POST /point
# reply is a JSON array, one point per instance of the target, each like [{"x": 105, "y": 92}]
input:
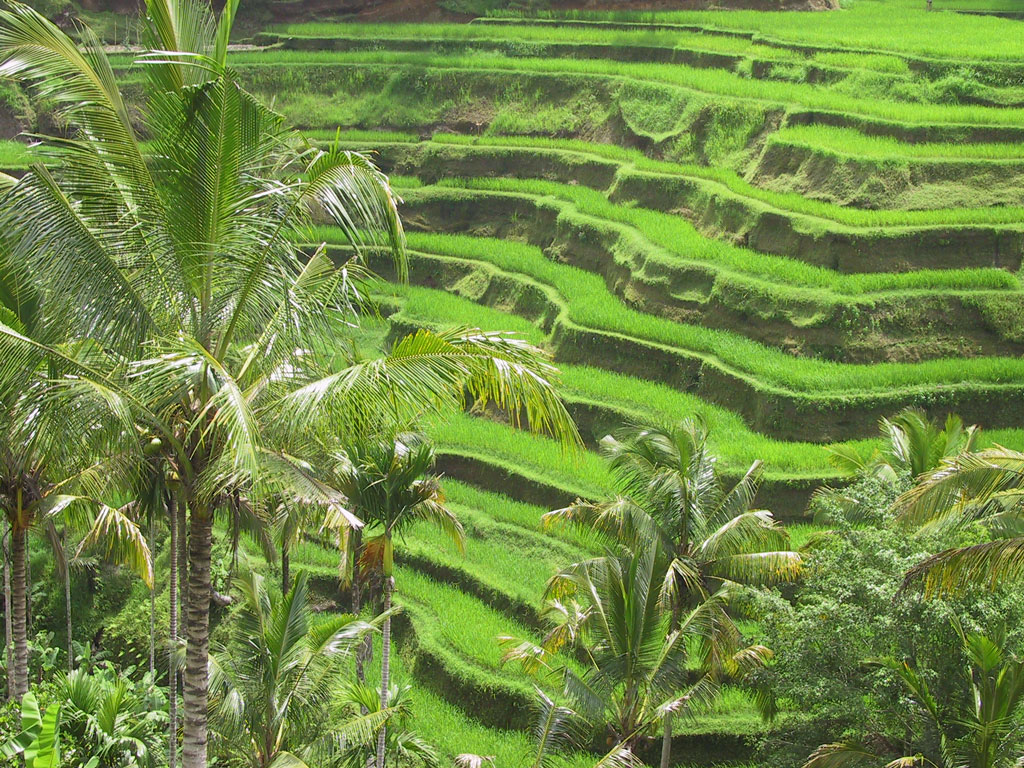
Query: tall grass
[
  {"x": 638, "y": 38},
  {"x": 13, "y": 155},
  {"x": 468, "y": 626},
  {"x": 453, "y": 732}
]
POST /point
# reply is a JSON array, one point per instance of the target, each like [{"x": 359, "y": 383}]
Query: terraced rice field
[{"x": 788, "y": 225}]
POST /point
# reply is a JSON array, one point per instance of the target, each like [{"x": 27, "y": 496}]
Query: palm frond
[
  {"x": 122, "y": 541},
  {"x": 988, "y": 564},
  {"x": 841, "y": 755}
]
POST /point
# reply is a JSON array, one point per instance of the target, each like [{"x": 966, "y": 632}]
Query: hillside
[{"x": 786, "y": 220}]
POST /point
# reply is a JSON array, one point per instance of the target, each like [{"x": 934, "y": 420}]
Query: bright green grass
[
  {"x": 500, "y": 557},
  {"x": 592, "y": 305},
  {"x": 13, "y": 154},
  {"x": 453, "y": 732},
  {"x": 851, "y": 143},
  {"x": 539, "y": 34},
  {"x": 881, "y": 25},
  {"x": 509, "y": 513},
  {"x": 452, "y": 613},
  {"x": 788, "y": 201},
  {"x": 582, "y": 470},
  {"x": 678, "y": 236},
  {"x": 731, "y": 438},
  {"x": 715, "y": 83},
  {"x": 856, "y": 60},
  {"x": 685, "y": 244}
]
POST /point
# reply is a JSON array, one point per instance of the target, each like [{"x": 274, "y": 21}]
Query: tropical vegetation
[{"x": 568, "y": 388}]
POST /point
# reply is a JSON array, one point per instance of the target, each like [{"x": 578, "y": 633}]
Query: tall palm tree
[
  {"x": 981, "y": 730},
  {"x": 213, "y": 330},
  {"x": 47, "y": 467},
  {"x": 986, "y": 488},
  {"x": 273, "y": 684},
  {"x": 388, "y": 482},
  {"x": 671, "y": 493}
]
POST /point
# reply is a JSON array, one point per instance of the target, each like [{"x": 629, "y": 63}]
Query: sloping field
[{"x": 788, "y": 226}]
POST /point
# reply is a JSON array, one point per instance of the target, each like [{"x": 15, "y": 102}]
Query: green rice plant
[
  {"x": 454, "y": 732},
  {"x": 856, "y": 60},
  {"x": 678, "y": 236},
  {"x": 644, "y": 401},
  {"x": 664, "y": 237},
  {"x": 902, "y": 26},
  {"x": 509, "y": 513},
  {"x": 13, "y": 155},
  {"x": 585, "y": 470},
  {"x": 798, "y": 204},
  {"x": 714, "y": 83},
  {"x": 464, "y": 624},
  {"x": 591, "y": 305},
  {"x": 848, "y": 142},
  {"x": 495, "y": 553}
]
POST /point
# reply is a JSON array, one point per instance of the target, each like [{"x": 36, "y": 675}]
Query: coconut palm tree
[
  {"x": 671, "y": 493},
  {"x": 912, "y": 444},
  {"x": 118, "y": 723},
  {"x": 609, "y": 612},
  {"x": 981, "y": 730},
  {"x": 986, "y": 488},
  {"x": 47, "y": 470},
  {"x": 388, "y": 482},
  {"x": 212, "y": 330},
  {"x": 403, "y": 743},
  {"x": 273, "y": 684}
]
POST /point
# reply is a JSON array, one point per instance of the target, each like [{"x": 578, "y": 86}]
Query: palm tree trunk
[
  {"x": 197, "y": 631},
  {"x": 666, "y": 741},
  {"x": 19, "y": 617},
  {"x": 152, "y": 606},
  {"x": 172, "y": 673},
  {"x": 357, "y": 605},
  {"x": 182, "y": 566},
  {"x": 666, "y": 724},
  {"x": 385, "y": 667},
  {"x": 357, "y": 600},
  {"x": 285, "y": 574},
  {"x": 28, "y": 583},
  {"x": 67, "y": 607},
  {"x": 8, "y": 602}
]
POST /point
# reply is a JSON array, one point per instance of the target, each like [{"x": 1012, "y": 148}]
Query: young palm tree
[
  {"x": 609, "y": 612},
  {"x": 403, "y": 743},
  {"x": 273, "y": 684},
  {"x": 982, "y": 730},
  {"x": 671, "y": 493},
  {"x": 388, "y": 483},
  {"x": 913, "y": 444},
  {"x": 212, "y": 329},
  {"x": 117, "y": 725},
  {"x": 986, "y": 487}
]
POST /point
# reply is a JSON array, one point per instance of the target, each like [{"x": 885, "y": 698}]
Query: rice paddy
[{"x": 608, "y": 186}]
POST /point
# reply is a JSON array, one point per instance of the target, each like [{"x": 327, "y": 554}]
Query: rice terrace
[{"x": 512, "y": 383}]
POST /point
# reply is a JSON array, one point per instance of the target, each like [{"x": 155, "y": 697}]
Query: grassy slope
[{"x": 899, "y": 26}]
